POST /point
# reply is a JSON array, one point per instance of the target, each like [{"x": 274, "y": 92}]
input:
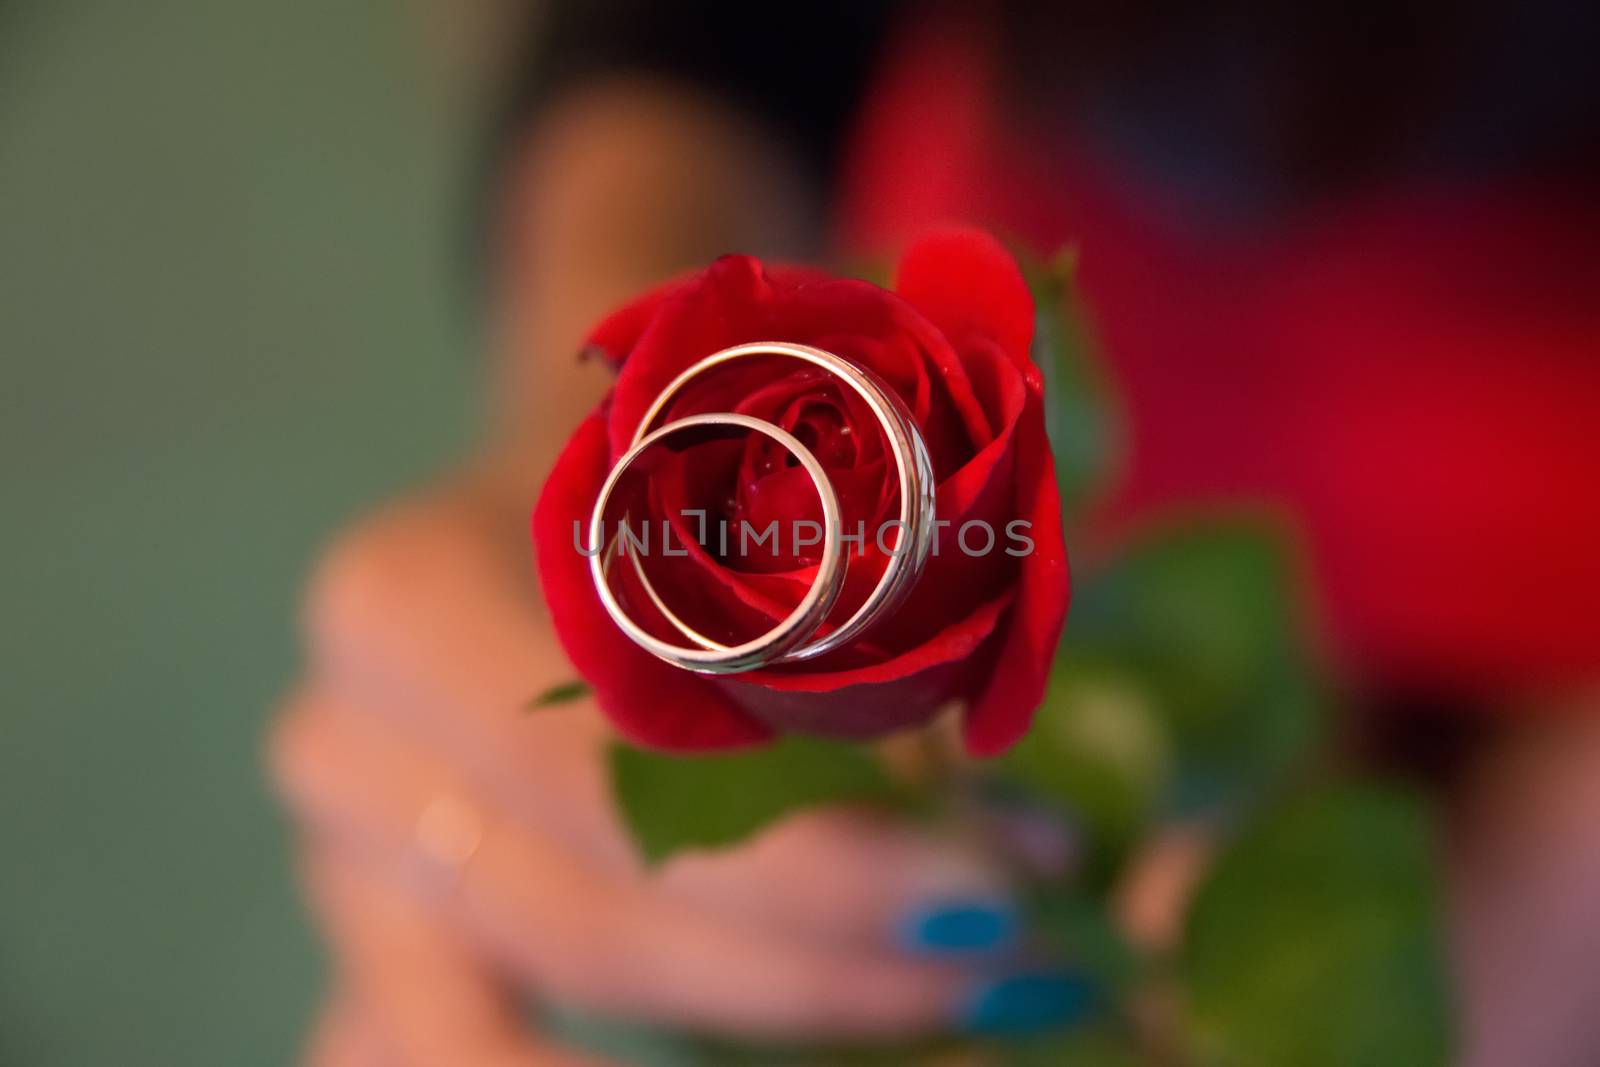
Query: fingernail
[
  {"x": 958, "y": 927},
  {"x": 1022, "y": 1003}
]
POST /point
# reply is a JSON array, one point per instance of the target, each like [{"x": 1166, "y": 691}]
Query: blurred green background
[{"x": 229, "y": 317}]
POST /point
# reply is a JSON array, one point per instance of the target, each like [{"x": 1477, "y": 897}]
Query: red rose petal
[
  {"x": 954, "y": 641},
  {"x": 1001, "y": 714},
  {"x": 1009, "y": 393},
  {"x": 847, "y": 305},
  {"x": 614, "y": 337},
  {"x": 758, "y": 598},
  {"x": 969, "y": 286}
]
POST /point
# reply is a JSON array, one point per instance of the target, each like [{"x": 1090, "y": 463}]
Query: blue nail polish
[
  {"x": 1022, "y": 1003},
  {"x": 956, "y": 927}
]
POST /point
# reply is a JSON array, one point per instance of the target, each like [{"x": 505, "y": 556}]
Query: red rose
[{"x": 952, "y": 339}]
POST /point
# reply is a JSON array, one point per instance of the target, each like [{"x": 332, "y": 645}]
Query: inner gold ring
[{"x": 710, "y": 657}]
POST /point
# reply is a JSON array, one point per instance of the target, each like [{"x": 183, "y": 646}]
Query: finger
[
  {"x": 590, "y": 937},
  {"x": 621, "y": 948},
  {"x": 356, "y": 776},
  {"x": 883, "y": 879},
  {"x": 418, "y": 987},
  {"x": 1153, "y": 897}
]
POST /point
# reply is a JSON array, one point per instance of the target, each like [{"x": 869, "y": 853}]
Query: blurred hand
[{"x": 463, "y": 856}]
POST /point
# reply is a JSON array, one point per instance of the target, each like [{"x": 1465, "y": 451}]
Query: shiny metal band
[{"x": 798, "y": 636}]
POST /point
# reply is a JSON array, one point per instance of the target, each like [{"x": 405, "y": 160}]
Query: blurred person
[{"x": 1342, "y": 263}]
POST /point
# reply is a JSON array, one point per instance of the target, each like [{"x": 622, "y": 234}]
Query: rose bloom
[{"x": 981, "y": 627}]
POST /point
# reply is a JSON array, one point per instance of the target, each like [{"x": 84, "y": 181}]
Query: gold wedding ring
[
  {"x": 791, "y": 631},
  {"x": 796, "y": 637}
]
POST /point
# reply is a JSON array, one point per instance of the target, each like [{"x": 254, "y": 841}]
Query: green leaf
[
  {"x": 1080, "y": 417},
  {"x": 1205, "y": 616},
  {"x": 1316, "y": 939},
  {"x": 565, "y": 693},
  {"x": 676, "y": 802}
]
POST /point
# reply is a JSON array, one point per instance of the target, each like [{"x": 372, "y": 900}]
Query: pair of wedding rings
[{"x": 802, "y": 634}]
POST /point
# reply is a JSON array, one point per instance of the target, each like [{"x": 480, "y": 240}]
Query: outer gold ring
[
  {"x": 791, "y": 631},
  {"x": 914, "y": 471}
]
